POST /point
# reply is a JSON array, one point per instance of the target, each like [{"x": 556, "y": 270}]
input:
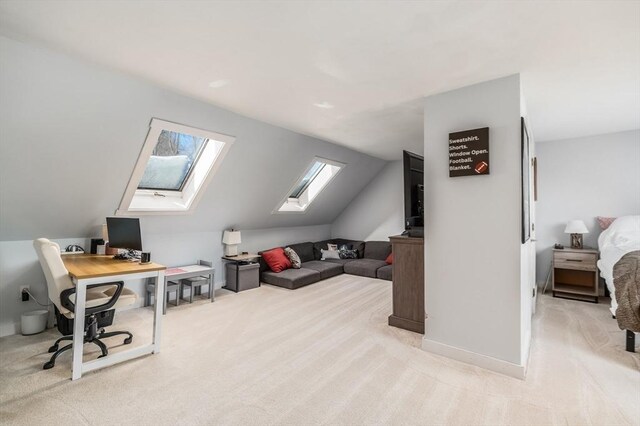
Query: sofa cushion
[
  {"x": 338, "y": 261},
  {"x": 326, "y": 269},
  {"x": 378, "y": 250},
  {"x": 291, "y": 278},
  {"x": 263, "y": 264},
  {"x": 385, "y": 273},
  {"x": 364, "y": 267},
  {"x": 304, "y": 251},
  {"x": 318, "y": 246},
  {"x": 276, "y": 259}
]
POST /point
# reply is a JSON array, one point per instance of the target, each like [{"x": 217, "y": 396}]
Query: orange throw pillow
[
  {"x": 276, "y": 259},
  {"x": 389, "y": 259}
]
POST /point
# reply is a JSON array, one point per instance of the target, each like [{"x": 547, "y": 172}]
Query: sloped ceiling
[
  {"x": 371, "y": 61},
  {"x": 71, "y": 133}
]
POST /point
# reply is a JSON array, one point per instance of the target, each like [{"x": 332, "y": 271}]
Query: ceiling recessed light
[
  {"x": 324, "y": 105},
  {"x": 218, "y": 83}
]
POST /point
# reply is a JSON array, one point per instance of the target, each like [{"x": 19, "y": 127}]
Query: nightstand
[
  {"x": 575, "y": 274},
  {"x": 242, "y": 272}
]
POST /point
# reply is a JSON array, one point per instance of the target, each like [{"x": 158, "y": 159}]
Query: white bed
[{"x": 620, "y": 238}]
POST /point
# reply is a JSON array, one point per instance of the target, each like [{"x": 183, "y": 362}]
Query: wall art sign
[{"x": 469, "y": 152}]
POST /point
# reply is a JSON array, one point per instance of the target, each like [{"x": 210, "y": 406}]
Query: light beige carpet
[{"x": 324, "y": 354}]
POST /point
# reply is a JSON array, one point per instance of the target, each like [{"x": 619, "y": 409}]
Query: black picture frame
[{"x": 526, "y": 182}]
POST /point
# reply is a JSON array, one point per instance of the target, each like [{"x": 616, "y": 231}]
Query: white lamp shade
[
  {"x": 231, "y": 237},
  {"x": 576, "y": 227}
]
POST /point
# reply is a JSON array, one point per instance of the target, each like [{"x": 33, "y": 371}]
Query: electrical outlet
[{"x": 24, "y": 296}]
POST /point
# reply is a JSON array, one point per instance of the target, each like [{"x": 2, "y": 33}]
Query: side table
[{"x": 239, "y": 260}]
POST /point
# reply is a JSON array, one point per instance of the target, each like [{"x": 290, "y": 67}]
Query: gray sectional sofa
[{"x": 371, "y": 263}]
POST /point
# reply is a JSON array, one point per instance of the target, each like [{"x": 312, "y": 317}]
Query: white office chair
[{"x": 102, "y": 299}]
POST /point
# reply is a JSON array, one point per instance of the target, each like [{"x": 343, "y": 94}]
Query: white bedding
[{"x": 622, "y": 237}]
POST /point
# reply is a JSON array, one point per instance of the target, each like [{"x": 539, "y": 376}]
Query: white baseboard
[
  {"x": 9, "y": 329},
  {"x": 483, "y": 361}
]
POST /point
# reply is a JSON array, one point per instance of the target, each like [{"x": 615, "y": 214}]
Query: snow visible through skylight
[
  {"x": 171, "y": 161},
  {"x": 174, "y": 168}
]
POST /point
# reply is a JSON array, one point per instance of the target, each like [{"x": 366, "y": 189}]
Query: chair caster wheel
[
  {"x": 48, "y": 365},
  {"x": 128, "y": 340},
  {"x": 53, "y": 348}
]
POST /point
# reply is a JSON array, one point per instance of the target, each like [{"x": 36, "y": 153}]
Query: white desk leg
[
  {"x": 157, "y": 315},
  {"x": 78, "y": 330},
  {"x": 212, "y": 287}
]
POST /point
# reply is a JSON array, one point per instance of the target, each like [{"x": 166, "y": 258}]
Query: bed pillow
[
  {"x": 330, "y": 254},
  {"x": 605, "y": 222},
  {"x": 293, "y": 257},
  {"x": 276, "y": 259}
]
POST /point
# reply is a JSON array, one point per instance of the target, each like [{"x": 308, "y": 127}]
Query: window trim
[
  {"x": 287, "y": 197},
  {"x": 156, "y": 126}
]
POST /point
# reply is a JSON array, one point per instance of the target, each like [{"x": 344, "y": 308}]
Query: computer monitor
[{"x": 124, "y": 233}]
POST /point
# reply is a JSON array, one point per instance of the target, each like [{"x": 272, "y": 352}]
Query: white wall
[
  {"x": 71, "y": 132},
  {"x": 581, "y": 179},
  {"x": 378, "y": 211},
  {"x": 528, "y": 251},
  {"x": 19, "y": 263},
  {"x": 254, "y": 241},
  {"x": 473, "y": 253}
]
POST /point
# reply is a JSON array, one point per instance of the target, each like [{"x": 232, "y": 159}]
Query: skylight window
[
  {"x": 311, "y": 174},
  {"x": 174, "y": 168},
  {"x": 317, "y": 176},
  {"x": 171, "y": 161}
]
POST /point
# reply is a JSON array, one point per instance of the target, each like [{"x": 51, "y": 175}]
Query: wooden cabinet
[
  {"x": 575, "y": 274},
  {"x": 408, "y": 283}
]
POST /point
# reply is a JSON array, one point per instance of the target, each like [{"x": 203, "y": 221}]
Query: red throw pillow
[
  {"x": 389, "y": 259},
  {"x": 276, "y": 259}
]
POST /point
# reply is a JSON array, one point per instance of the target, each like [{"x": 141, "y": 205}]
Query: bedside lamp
[
  {"x": 576, "y": 228},
  {"x": 231, "y": 239}
]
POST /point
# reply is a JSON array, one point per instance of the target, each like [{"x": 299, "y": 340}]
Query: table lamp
[
  {"x": 576, "y": 228},
  {"x": 231, "y": 239}
]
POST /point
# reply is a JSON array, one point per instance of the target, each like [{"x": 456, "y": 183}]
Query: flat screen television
[{"x": 413, "y": 194}]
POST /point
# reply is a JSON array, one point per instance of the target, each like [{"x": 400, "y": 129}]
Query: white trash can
[{"x": 34, "y": 322}]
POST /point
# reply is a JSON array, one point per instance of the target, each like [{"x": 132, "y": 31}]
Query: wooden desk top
[
  {"x": 83, "y": 266},
  {"x": 241, "y": 257}
]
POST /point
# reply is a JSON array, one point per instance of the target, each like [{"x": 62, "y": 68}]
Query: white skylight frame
[
  {"x": 315, "y": 187},
  {"x": 158, "y": 202}
]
